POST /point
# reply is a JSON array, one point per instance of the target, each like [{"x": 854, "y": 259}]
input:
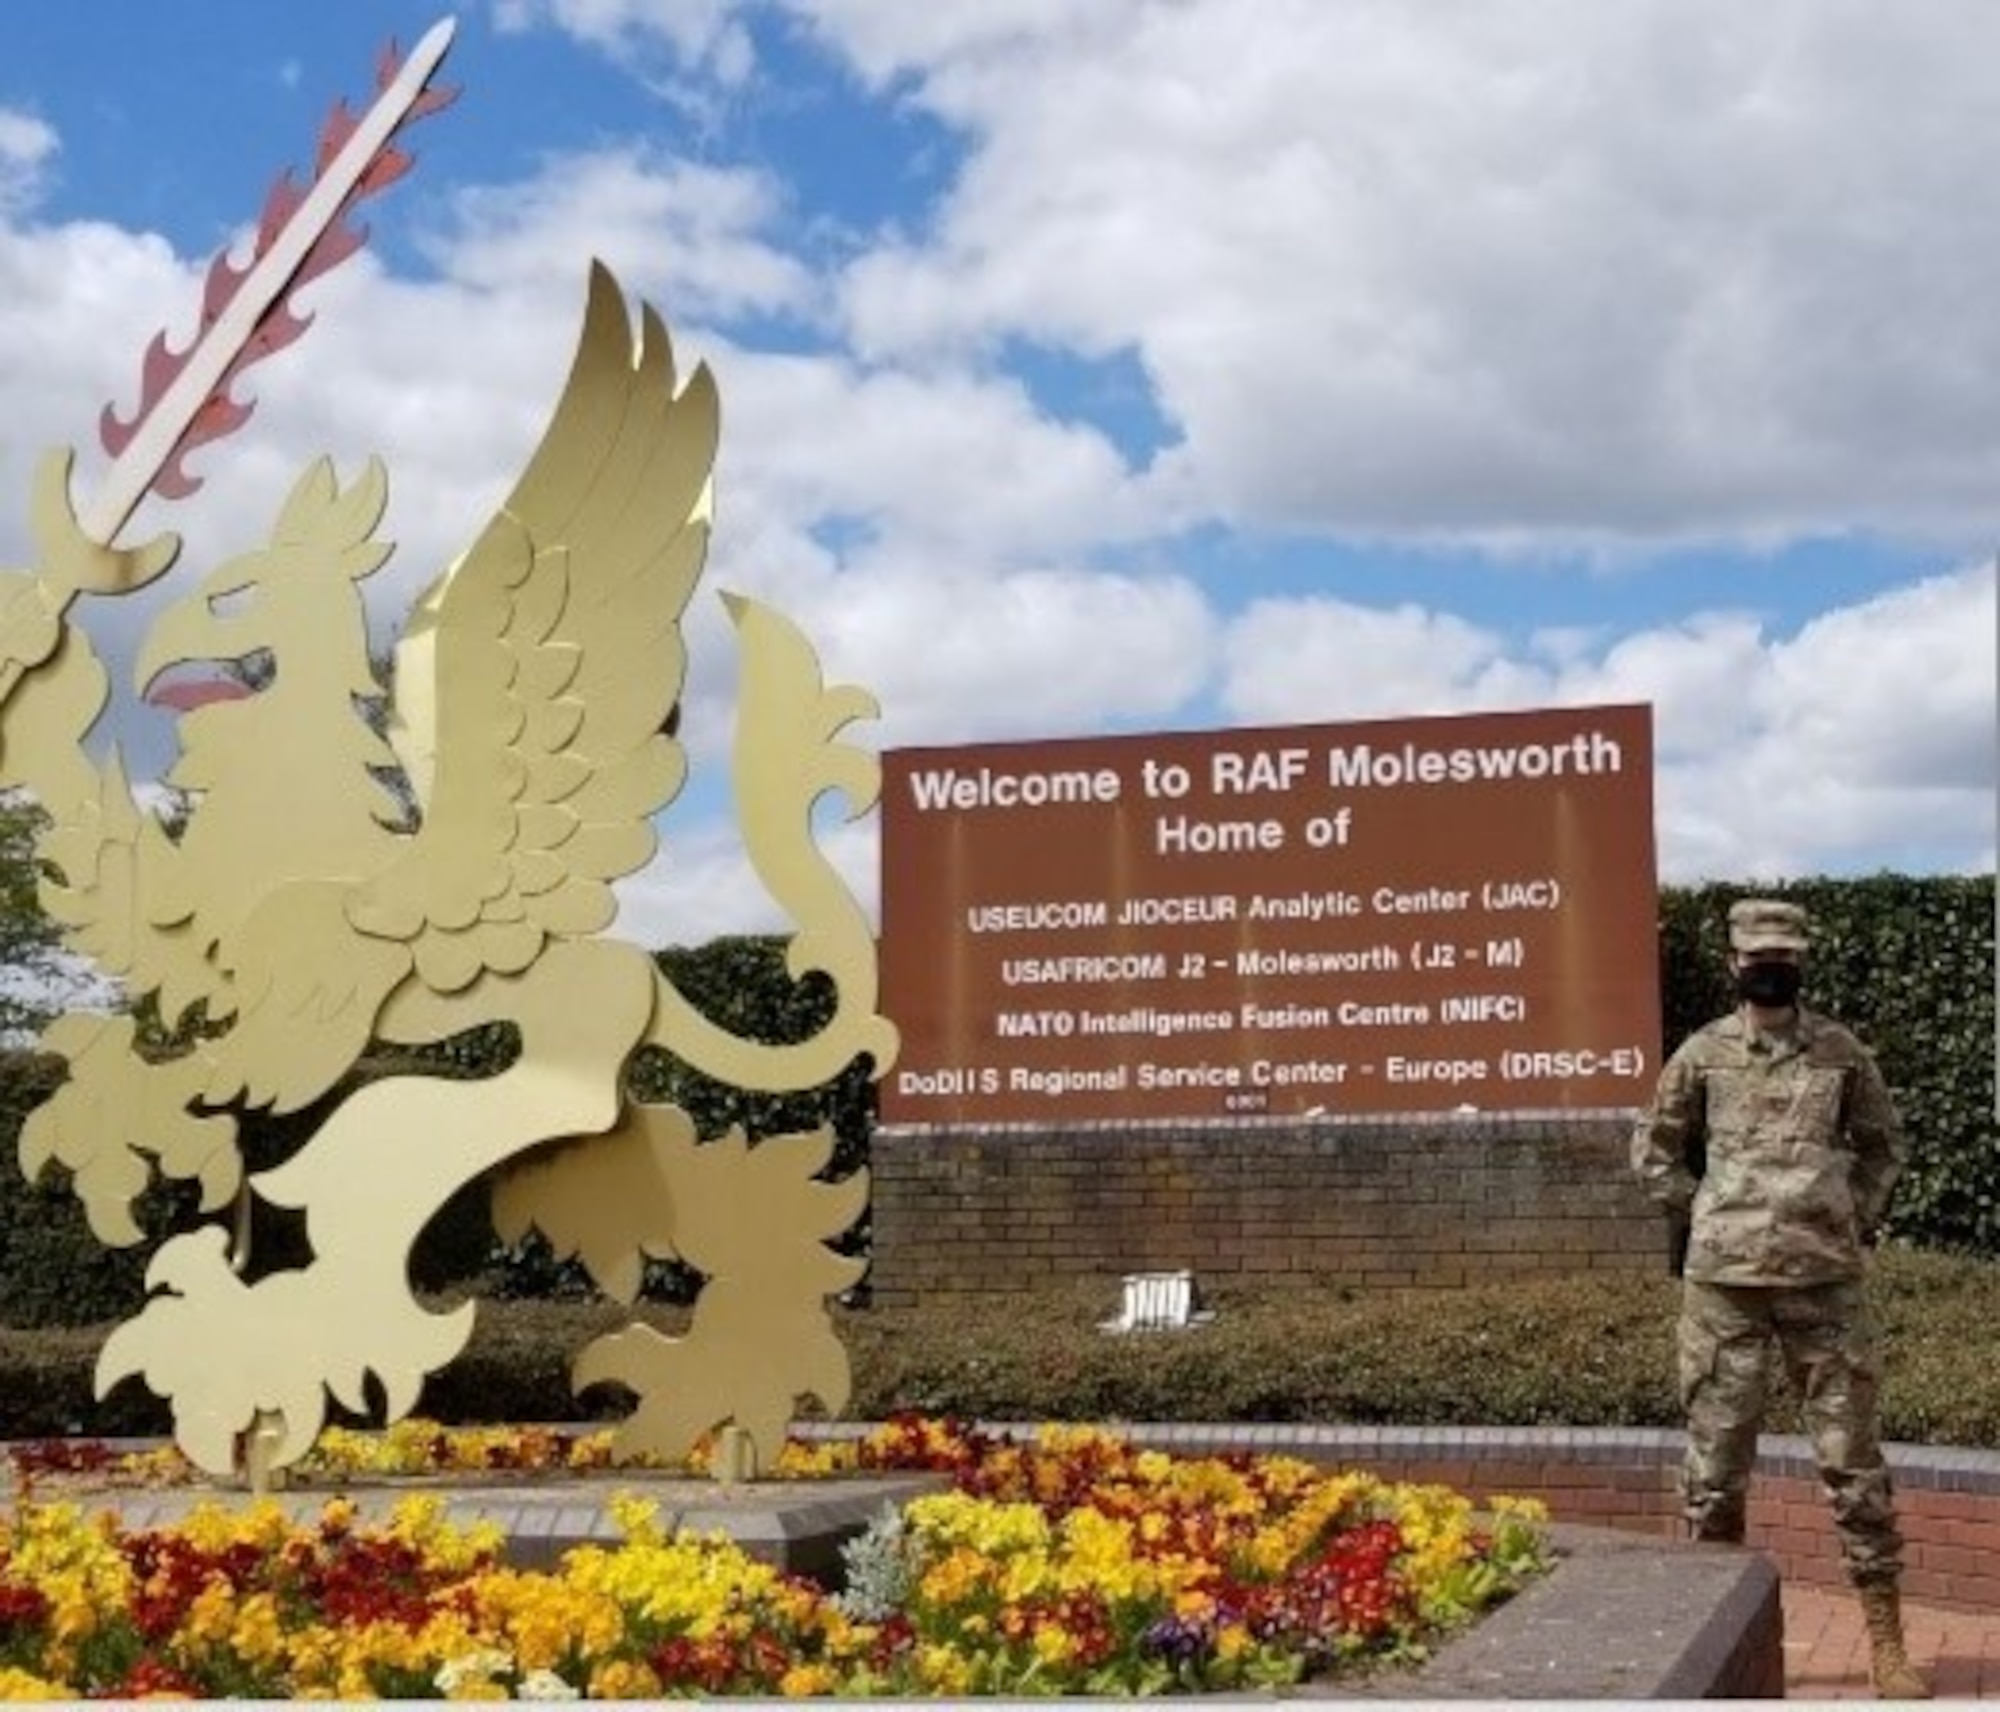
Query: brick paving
[{"x": 1826, "y": 1648}]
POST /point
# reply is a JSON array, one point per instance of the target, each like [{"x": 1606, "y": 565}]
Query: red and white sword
[{"x": 246, "y": 312}]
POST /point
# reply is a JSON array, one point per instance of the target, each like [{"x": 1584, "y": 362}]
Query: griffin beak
[{"x": 168, "y": 675}]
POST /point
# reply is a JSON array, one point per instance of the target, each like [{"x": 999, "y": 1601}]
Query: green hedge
[
  {"x": 1908, "y": 965},
  {"x": 1585, "y": 1351},
  {"x": 1907, "y": 962}
]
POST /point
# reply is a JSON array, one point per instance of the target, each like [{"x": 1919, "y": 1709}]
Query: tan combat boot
[{"x": 1890, "y": 1669}]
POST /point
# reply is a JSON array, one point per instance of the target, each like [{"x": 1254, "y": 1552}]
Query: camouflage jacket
[{"x": 1803, "y": 1147}]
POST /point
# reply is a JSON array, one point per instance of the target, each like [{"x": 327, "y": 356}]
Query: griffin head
[{"x": 224, "y": 641}]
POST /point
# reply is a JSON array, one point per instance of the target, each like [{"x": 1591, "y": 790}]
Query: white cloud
[
  {"x": 1900, "y": 689},
  {"x": 956, "y": 654},
  {"x": 702, "y": 886},
  {"x": 1466, "y": 271},
  {"x": 1866, "y": 740},
  {"x": 698, "y": 35},
  {"x": 1313, "y": 659},
  {"x": 26, "y": 147},
  {"x": 944, "y": 461},
  {"x": 690, "y": 236}
]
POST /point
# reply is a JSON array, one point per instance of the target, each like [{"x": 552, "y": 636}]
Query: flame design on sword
[
  {"x": 185, "y": 400},
  {"x": 246, "y": 312}
]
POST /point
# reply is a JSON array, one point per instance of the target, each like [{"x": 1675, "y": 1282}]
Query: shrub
[{"x": 1595, "y": 1351}]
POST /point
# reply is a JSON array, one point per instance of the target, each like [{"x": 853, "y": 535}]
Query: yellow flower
[
  {"x": 804, "y": 1680},
  {"x": 73, "y": 1612},
  {"x": 258, "y": 1634},
  {"x": 802, "y": 1461},
  {"x": 1287, "y": 1473},
  {"x": 959, "y": 1575},
  {"x": 211, "y": 1617},
  {"x": 1053, "y": 1644},
  {"x": 25, "y": 1685},
  {"x": 638, "y": 1519},
  {"x": 1193, "y": 1604},
  {"x": 314, "y": 1658},
  {"x": 452, "y": 1635},
  {"x": 944, "y": 1671},
  {"x": 420, "y": 1523},
  {"x": 389, "y": 1645},
  {"x": 1207, "y": 1490},
  {"x": 687, "y": 1582},
  {"x": 1232, "y": 1641},
  {"x": 1268, "y": 1551},
  {"x": 1024, "y": 1575},
  {"x": 164, "y": 1466},
  {"x": 75, "y": 1561},
  {"x": 994, "y": 1529},
  {"x": 545, "y": 1618},
  {"x": 340, "y": 1660},
  {"x": 623, "y": 1679},
  {"x": 590, "y": 1450},
  {"x": 1523, "y": 1509},
  {"x": 1096, "y": 1555},
  {"x": 842, "y": 1637}
]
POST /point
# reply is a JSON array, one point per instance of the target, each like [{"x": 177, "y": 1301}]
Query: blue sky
[{"x": 1175, "y": 364}]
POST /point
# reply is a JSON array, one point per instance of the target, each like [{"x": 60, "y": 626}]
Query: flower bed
[{"x": 1073, "y": 1563}]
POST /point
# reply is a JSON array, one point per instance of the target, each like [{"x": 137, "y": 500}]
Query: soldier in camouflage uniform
[{"x": 1802, "y": 1147}]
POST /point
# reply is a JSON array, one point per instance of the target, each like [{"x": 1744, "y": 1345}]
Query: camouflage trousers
[{"x": 1826, "y": 1338}]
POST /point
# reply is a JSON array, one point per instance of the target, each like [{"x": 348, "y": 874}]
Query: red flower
[
  {"x": 151, "y": 1677},
  {"x": 61, "y": 1456},
  {"x": 21, "y": 1607}
]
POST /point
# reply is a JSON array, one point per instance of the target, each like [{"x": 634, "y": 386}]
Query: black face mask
[{"x": 1772, "y": 985}]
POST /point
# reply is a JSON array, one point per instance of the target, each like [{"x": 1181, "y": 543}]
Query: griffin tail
[{"x": 247, "y": 313}]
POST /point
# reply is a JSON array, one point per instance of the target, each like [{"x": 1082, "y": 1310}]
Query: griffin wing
[
  {"x": 536, "y": 680},
  {"x": 108, "y": 852}
]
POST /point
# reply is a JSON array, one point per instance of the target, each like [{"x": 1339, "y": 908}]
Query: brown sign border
[{"x": 1365, "y": 918}]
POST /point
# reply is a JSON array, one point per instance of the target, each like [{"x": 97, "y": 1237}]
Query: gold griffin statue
[{"x": 307, "y": 918}]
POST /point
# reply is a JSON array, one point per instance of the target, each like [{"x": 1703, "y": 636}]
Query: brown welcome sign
[{"x": 1391, "y": 916}]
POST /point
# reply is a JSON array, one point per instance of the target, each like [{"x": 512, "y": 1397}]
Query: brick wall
[{"x": 1385, "y": 1203}]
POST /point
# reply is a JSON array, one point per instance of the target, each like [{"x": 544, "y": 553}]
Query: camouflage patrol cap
[{"x": 1765, "y": 924}]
